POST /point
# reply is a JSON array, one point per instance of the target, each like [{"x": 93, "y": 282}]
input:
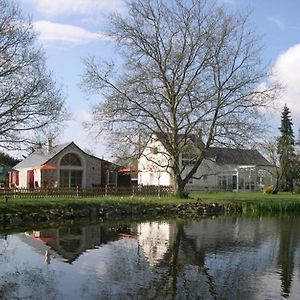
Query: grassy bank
[
  {"x": 254, "y": 202},
  {"x": 222, "y": 198},
  {"x": 20, "y": 211}
]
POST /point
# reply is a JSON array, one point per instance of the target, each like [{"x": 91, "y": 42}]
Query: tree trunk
[
  {"x": 179, "y": 184},
  {"x": 276, "y": 188}
]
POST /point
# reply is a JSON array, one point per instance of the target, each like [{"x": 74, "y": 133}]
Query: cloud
[
  {"x": 69, "y": 7},
  {"x": 54, "y": 32},
  {"x": 287, "y": 71},
  {"x": 277, "y": 22}
]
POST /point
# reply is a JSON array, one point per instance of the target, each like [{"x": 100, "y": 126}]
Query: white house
[{"x": 222, "y": 168}]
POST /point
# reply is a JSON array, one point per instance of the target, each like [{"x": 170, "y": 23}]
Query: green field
[{"x": 249, "y": 201}]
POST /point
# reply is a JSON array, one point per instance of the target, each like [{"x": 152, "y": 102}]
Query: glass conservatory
[{"x": 246, "y": 178}]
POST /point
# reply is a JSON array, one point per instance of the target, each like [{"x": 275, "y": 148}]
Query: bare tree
[
  {"x": 190, "y": 68},
  {"x": 30, "y": 100}
]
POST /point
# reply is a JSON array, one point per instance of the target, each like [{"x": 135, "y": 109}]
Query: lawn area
[
  {"x": 249, "y": 201},
  {"x": 254, "y": 202},
  {"x": 203, "y": 197},
  {"x": 244, "y": 197}
]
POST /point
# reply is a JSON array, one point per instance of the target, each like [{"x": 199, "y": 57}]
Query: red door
[{"x": 30, "y": 178}]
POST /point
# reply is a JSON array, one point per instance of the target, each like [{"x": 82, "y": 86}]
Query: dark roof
[
  {"x": 237, "y": 156},
  {"x": 226, "y": 155}
]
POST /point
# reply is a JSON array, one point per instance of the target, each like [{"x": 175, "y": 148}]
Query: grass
[
  {"x": 243, "y": 197},
  {"x": 249, "y": 201},
  {"x": 254, "y": 202},
  {"x": 28, "y": 205}
]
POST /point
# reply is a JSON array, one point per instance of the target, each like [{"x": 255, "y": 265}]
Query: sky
[{"x": 71, "y": 30}]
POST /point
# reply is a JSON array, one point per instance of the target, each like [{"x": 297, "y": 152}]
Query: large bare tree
[
  {"x": 187, "y": 69},
  {"x": 30, "y": 100}
]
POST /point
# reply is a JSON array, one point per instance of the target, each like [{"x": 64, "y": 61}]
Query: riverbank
[{"x": 20, "y": 212}]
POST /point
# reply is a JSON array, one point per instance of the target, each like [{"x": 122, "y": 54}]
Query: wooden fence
[{"x": 94, "y": 192}]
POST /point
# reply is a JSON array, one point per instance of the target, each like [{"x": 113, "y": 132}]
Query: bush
[
  {"x": 183, "y": 194},
  {"x": 297, "y": 190},
  {"x": 268, "y": 189}
]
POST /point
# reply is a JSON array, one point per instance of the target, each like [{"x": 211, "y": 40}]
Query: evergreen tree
[
  {"x": 8, "y": 160},
  {"x": 286, "y": 151}
]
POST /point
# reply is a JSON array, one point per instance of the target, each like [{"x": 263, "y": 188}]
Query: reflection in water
[
  {"x": 287, "y": 246},
  {"x": 212, "y": 258},
  {"x": 69, "y": 243}
]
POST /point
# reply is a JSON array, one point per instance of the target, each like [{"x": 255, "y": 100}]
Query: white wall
[
  {"x": 23, "y": 181},
  {"x": 154, "y": 165}
]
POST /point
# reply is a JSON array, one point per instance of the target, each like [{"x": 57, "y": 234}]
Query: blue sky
[{"x": 70, "y": 30}]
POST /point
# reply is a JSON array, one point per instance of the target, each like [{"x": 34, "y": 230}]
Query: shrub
[
  {"x": 297, "y": 190},
  {"x": 183, "y": 194},
  {"x": 268, "y": 189}
]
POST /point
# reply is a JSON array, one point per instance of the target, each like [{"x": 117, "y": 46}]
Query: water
[{"x": 208, "y": 258}]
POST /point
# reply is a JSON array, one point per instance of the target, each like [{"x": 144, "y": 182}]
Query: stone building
[{"x": 65, "y": 166}]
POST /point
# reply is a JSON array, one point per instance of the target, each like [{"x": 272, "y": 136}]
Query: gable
[{"x": 40, "y": 156}]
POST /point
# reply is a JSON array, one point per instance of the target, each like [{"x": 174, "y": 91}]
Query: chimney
[{"x": 49, "y": 145}]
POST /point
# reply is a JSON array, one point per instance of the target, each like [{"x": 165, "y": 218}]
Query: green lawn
[
  {"x": 249, "y": 201},
  {"x": 225, "y": 197},
  {"x": 254, "y": 202}
]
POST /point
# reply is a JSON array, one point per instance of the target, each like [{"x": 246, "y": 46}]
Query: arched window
[
  {"x": 70, "y": 159},
  {"x": 71, "y": 171}
]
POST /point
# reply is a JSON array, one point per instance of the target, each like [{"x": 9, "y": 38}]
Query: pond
[{"x": 208, "y": 258}]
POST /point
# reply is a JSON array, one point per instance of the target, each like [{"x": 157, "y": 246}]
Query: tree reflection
[
  {"x": 286, "y": 254},
  {"x": 185, "y": 258},
  {"x": 30, "y": 283}
]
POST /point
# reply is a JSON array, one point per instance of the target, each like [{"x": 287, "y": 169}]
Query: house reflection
[
  {"x": 152, "y": 238},
  {"x": 68, "y": 243}
]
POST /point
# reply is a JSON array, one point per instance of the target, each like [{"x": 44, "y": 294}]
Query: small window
[
  {"x": 205, "y": 177},
  {"x": 154, "y": 150}
]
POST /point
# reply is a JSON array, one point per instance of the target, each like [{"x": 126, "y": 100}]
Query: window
[
  {"x": 71, "y": 172},
  {"x": 70, "y": 178},
  {"x": 111, "y": 178},
  {"x": 154, "y": 150},
  {"x": 70, "y": 159},
  {"x": 187, "y": 159}
]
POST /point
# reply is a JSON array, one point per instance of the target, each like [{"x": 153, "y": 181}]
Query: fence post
[
  {"x": 158, "y": 191},
  {"x": 105, "y": 193},
  {"x": 77, "y": 191},
  {"x": 133, "y": 190}
]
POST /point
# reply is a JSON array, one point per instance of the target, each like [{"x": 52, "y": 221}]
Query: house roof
[
  {"x": 242, "y": 157},
  {"x": 40, "y": 156},
  {"x": 237, "y": 156}
]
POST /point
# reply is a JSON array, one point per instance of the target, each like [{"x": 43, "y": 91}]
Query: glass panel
[
  {"x": 75, "y": 179},
  {"x": 234, "y": 182},
  {"x": 70, "y": 178},
  {"x": 112, "y": 178},
  {"x": 70, "y": 159},
  {"x": 64, "y": 178}
]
